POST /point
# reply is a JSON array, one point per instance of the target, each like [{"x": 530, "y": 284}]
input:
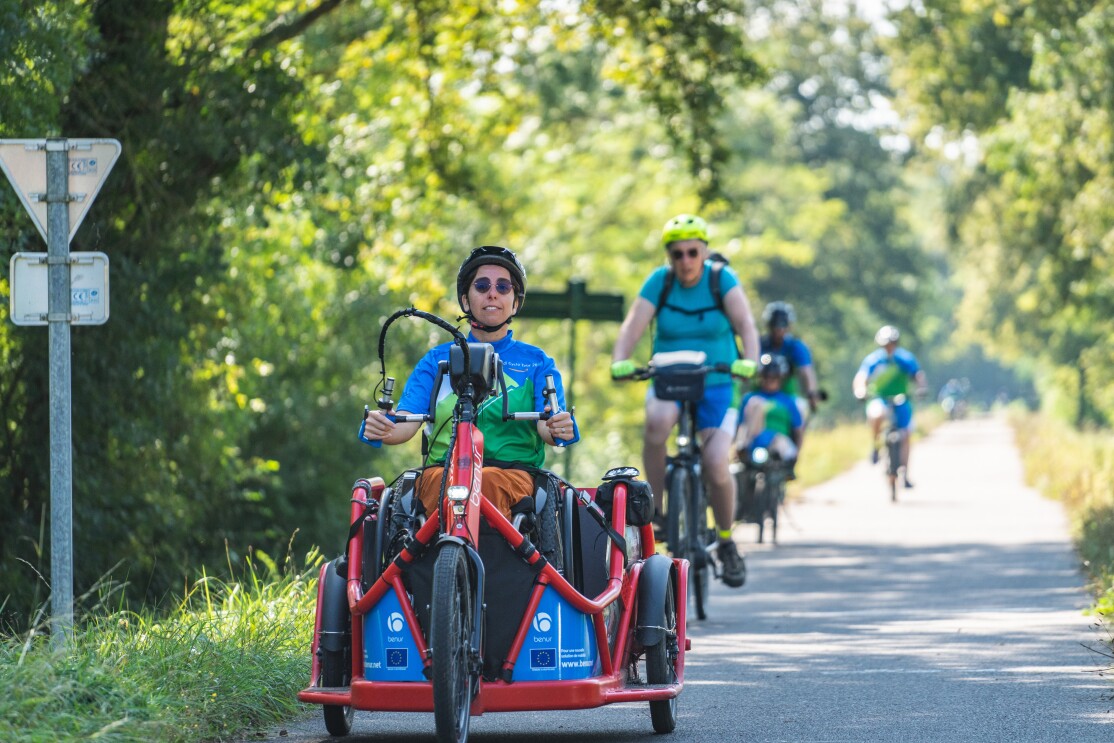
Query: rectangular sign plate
[{"x": 29, "y": 303}]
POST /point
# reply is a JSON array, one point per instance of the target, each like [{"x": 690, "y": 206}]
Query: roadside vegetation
[
  {"x": 230, "y": 656},
  {"x": 1077, "y": 468}
]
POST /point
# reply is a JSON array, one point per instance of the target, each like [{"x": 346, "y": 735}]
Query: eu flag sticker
[
  {"x": 543, "y": 658},
  {"x": 396, "y": 658}
]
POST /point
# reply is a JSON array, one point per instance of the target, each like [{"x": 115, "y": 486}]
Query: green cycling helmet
[{"x": 684, "y": 227}]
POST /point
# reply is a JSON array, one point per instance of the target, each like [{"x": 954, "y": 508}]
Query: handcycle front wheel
[{"x": 452, "y": 622}]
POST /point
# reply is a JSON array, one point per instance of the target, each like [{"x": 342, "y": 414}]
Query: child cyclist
[{"x": 771, "y": 418}]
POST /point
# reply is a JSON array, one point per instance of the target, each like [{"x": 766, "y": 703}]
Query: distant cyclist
[
  {"x": 700, "y": 305},
  {"x": 778, "y": 318},
  {"x": 771, "y": 417},
  {"x": 883, "y": 380}
]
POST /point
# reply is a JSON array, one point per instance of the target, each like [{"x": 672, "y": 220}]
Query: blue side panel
[
  {"x": 559, "y": 645},
  {"x": 389, "y": 650}
]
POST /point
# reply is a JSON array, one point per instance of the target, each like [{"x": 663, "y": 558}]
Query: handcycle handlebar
[{"x": 462, "y": 378}]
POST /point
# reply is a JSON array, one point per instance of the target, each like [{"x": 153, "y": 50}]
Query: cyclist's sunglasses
[
  {"x": 679, "y": 254},
  {"x": 483, "y": 286}
]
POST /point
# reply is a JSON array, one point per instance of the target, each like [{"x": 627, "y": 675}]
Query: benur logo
[
  {"x": 542, "y": 622},
  {"x": 395, "y": 622}
]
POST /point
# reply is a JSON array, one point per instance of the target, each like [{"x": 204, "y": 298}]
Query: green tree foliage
[
  {"x": 291, "y": 172},
  {"x": 1032, "y": 216}
]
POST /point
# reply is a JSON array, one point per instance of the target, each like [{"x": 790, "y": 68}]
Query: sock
[{"x": 725, "y": 535}]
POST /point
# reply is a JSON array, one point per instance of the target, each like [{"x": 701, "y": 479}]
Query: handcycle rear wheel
[
  {"x": 661, "y": 668},
  {"x": 451, "y": 621}
]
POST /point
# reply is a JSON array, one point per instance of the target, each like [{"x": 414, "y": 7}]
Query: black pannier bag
[{"x": 640, "y": 498}]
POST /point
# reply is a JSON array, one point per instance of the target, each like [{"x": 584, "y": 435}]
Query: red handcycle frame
[{"x": 609, "y": 687}]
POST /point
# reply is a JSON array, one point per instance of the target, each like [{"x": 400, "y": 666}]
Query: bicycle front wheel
[
  {"x": 452, "y": 621},
  {"x": 699, "y": 540}
]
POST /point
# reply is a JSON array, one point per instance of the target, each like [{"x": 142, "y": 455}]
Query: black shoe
[
  {"x": 908, "y": 484},
  {"x": 734, "y": 568},
  {"x": 874, "y": 455}
]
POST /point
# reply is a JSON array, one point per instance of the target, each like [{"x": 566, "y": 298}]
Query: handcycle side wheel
[
  {"x": 336, "y": 659},
  {"x": 661, "y": 667},
  {"x": 451, "y": 621}
]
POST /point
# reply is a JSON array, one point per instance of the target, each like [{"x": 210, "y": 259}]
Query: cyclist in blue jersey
[
  {"x": 800, "y": 382},
  {"x": 693, "y": 315},
  {"x": 490, "y": 288},
  {"x": 771, "y": 417},
  {"x": 883, "y": 380}
]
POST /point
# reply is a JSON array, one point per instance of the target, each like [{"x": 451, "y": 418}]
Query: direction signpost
[
  {"x": 573, "y": 304},
  {"x": 57, "y": 188}
]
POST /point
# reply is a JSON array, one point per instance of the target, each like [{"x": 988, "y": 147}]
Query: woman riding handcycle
[{"x": 587, "y": 613}]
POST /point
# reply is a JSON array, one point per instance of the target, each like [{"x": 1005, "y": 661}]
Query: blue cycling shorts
[
  {"x": 715, "y": 409},
  {"x": 903, "y": 413}
]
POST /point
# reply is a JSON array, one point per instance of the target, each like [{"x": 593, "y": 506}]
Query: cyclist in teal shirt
[
  {"x": 691, "y": 316},
  {"x": 883, "y": 380}
]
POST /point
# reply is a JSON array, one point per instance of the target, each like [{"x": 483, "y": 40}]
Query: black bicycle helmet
[
  {"x": 779, "y": 314},
  {"x": 773, "y": 365},
  {"x": 490, "y": 255}
]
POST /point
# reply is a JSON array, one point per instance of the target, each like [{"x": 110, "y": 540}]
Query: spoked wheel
[
  {"x": 336, "y": 660},
  {"x": 893, "y": 464},
  {"x": 683, "y": 523},
  {"x": 775, "y": 506},
  {"x": 451, "y": 620},
  {"x": 763, "y": 508},
  {"x": 676, "y": 516},
  {"x": 699, "y": 539},
  {"x": 661, "y": 667}
]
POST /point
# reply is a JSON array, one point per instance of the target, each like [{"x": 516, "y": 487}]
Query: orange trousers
[{"x": 502, "y": 487}]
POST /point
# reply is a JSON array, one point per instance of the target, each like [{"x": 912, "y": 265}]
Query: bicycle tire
[
  {"x": 698, "y": 541},
  {"x": 451, "y": 623},
  {"x": 661, "y": 667},
  {"x": 676, "y": 502}
]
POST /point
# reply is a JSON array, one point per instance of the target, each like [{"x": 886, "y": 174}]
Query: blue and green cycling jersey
[
  {"x": 524, "y": 370},
  {"x": 889, "y": 376},
  {"x": 782, "y": 414},
  {"x": 689, "y": 320}
]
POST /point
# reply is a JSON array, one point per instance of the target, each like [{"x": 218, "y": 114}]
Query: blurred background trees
[{"x": 294, "y": 171}]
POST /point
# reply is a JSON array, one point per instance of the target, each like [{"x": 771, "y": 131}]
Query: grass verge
[
  {"x": 1076, "y": 468},
  {"x": 230, "y": 657}
]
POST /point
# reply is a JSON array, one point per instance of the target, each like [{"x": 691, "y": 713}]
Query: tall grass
[
  {"x": 1077, "y": 468},
  {"x": 229, "y": 657}
]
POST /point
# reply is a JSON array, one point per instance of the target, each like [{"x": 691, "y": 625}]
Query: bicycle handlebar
[{"x": 642, "y": 373}]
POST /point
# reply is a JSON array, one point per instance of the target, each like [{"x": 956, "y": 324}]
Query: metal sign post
[
  {"x": 573, "y": 304},
  {"x": 61, "y": 442},
  {"x": 22, "y": 161}
]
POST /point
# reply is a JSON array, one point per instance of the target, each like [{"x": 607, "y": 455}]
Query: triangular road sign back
[{"x": 24, "y": 163}]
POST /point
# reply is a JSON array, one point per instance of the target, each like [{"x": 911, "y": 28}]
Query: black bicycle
[
  {"x": 894, "y": 438},
  {"x": 689, "y": 532},
  {"x": 760, "y": 480}
]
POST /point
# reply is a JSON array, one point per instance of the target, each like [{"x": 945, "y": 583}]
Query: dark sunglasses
[
  {"x": 483, "y": 286},
  {"x": 679, "y": 254}
]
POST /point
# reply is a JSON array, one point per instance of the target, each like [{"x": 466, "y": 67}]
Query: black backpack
[{"x": 718, "y": 262}]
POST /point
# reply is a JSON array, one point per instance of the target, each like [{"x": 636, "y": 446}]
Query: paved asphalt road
[{"x": 955, "y": 614}]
